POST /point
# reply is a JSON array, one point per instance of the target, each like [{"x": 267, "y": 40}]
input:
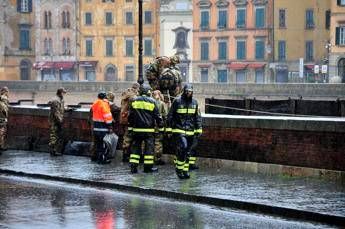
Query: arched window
[
  {"x": 45, "y": 19},
  {"x": 25, "y": 70},
  {"x": 68, "y": 23},
  {"x": 341, "y": 69},
  {"x": 111, "y": 73},
  {"x": 49, "y": 20},
  {"x": 63, "y": 19}
]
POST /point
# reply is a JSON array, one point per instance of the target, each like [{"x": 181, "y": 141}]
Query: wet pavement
[
  {"x": 33, "y": 203},
  {"x": 308, "y": 194}
]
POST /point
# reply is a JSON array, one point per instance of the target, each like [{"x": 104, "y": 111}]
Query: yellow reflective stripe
[
  {"x": 135, "y": 156},
  {"x": 183, "y": 132},
  {"x": 148, "y": 157},
  {"x": 168, "y": 129},
  {"x": 198, "y": 131},
  {"x": 130, "y": 128},
  {"x": 143, "y": 105},
  {"x": 161, "y": 129},
  {"x": 192, "y": 158},
  {"x": 179, "y": 162},
  {"x": 144, "y": 130},
  {"x": 185, "y": 111},
  {"x": 180, "y": 167},
  {"x": 148, "y": 162},
  {"x": 192, "y": 162},
  {"x": 134, "y": 161}
]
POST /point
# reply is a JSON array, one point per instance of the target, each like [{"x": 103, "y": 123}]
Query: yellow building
[
  {"x": 337, "y": 41},
  {"x": 17, "y": 46},
  {"x": 300, "y": 31},
  {"x": 108, "y": 38}
]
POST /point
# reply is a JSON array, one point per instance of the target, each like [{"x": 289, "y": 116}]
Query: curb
[{"x": 235, "y": 204}]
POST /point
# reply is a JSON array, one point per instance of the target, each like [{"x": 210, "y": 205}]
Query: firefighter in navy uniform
[
  {"x": 143, "y": 117},
  {"x": 184, "y": 119}
]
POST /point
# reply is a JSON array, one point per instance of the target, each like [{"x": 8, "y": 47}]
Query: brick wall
[{"x": 312, "y": 142}]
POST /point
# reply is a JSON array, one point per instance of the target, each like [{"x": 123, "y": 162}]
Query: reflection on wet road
[{"x": 27, "y": 203}]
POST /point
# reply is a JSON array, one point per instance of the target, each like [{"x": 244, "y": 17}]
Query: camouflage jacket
[
  {"x": 4, "y": 103},
  {"x": 57, "y": 109},
  {"x": 127, "y": 96}
]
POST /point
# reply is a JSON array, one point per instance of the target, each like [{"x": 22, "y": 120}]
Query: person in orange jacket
[{"x": 102, "y": 124}]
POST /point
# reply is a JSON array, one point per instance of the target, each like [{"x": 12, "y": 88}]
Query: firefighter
[
  {"x": 143, "y": 116},
  {"x": 102, "y": 124},
  {"x": 4, "y": 103},
  {"x": 184, "y": 119},
  {"x": 57, "y": 110},
  {"x": 126, "y": 97}
]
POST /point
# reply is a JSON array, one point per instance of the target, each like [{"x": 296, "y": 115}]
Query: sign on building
[
  {"x": 316, "y": 69},
  {"x": 301, "y": 68},
  {"x": 324, "y": 69}
]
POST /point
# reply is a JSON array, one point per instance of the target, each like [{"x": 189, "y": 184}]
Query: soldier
[
  {"x": 143, "y": 116},
  {"x": 57, "y": 109},
  {"x": 158, "y": 134},
  {"x": 126, "y": 97},
  {"x": 154, "y": 70},
  {"x": 4, "y": 103}
]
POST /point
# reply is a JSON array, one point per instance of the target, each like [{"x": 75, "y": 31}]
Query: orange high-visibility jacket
[{"x": 101, "y": 115}]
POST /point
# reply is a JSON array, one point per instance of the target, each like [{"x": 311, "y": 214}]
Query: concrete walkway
[{"x": 307, "y": 198}]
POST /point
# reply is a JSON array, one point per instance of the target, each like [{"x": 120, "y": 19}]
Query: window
[
  {"x": 66, "y": 46},
  {"x": 88, "y": 18},
  {"x": 110, "y": 74},
  {"x": 88, "y": 46},
  {"x": 129, "y": 47},
  {"x": 24, "y": 6},
  {"x": 241, "y": 18},
  {"x": 282, "y": 14},
  {"x": 281, "y": 50},
  {"x": 47, "y": 20},
  {"x": 148, "y": 17},
  {"x": 309, "y": 19},
  {"x": 222, "y": 76},
  {"x": 24, "y": 37},
  {"x": 259, "y": 49},
  {"x": 241, "y": 50},
  {"x": 204, "y": 75},
  {"x": 108, "y": 18},
  {"x": 340, "y": 35},
  {"x": 222, "y": 48},
  {"x": 260, "y": 17},
  {"x": 65, "y": 19},
  {"x": 327, "y": 19},
  {"x": 129, "y": 72},
  {"x": 309, "y": 51},
  {"x": 205, "y": 17},
  {"x": 48, "y": 46},
  {"x": 24, "y": 70},
  {"x": 108, "y": 0},
  {"x": 341, "y": 2},
  {"x": 204, "y": 50},
  {"x": 259, "y": 76},
  {"x": 109, "y": 47},
  {"x": 90, "y": 74},
  {"x": 241, "y": 76},
  {"x": 129, "y": 18},
  {"x": 147, "y": 47},
  {"x": 222, "y": 19}
]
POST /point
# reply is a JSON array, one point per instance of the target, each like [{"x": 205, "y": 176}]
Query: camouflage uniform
[
  {"x": 56, "y": 141},
  {"x": 158, "y": 151},
  {"x": 4, "y": 103},
  {"x": 126, "y": 97},
  {"x": 154, "y": 71}
]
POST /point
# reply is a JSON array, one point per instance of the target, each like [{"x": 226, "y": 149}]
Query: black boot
[
  {"x": 125, "y": 156},
  {"x": 134, "y": 168},
  {"x": 150, "y": 169},
  {"x": 186, "y": 175},
  {"x": 179, "y": 174}
]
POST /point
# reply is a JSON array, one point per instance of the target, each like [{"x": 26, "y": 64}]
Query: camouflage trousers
[
  {"x": 56, "y": 141},
  {"x": 3, "y": 135},
  {"x": 127, "y": 140},
  {"x": 158, "y": 151}
]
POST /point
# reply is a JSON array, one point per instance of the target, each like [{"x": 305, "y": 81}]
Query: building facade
[
  {"x": 176, "y": 33},
  {"x": 232, "y": 40},
  {"x": 17, "y": 46},
  {"x": 337, "y": 41},
  {"x": 108, "y": 38},
  {"x": 55, "y": 40},
  {"x": 301, "y": 31}
]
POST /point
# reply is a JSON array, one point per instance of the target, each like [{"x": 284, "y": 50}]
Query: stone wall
[{"x": 307, "y": 142}]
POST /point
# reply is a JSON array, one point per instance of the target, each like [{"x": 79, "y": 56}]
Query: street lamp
[{"x": 140, "y": 49}]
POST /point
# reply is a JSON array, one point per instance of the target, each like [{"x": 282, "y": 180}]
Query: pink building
[{"x": 232, "y": 41}]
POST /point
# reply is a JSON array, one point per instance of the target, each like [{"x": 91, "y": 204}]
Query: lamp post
[{"x": 140, "y": 49}]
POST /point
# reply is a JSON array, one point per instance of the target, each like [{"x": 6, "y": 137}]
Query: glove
[{"x": 110, "y": 131}]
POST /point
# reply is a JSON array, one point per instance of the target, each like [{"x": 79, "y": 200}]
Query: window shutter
[
  {"x": 19, "y": 6},
  {"x": 30, "y": 6},
  {"x": 338, "y": 2},
  {"x": 337, "y": 35}
]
